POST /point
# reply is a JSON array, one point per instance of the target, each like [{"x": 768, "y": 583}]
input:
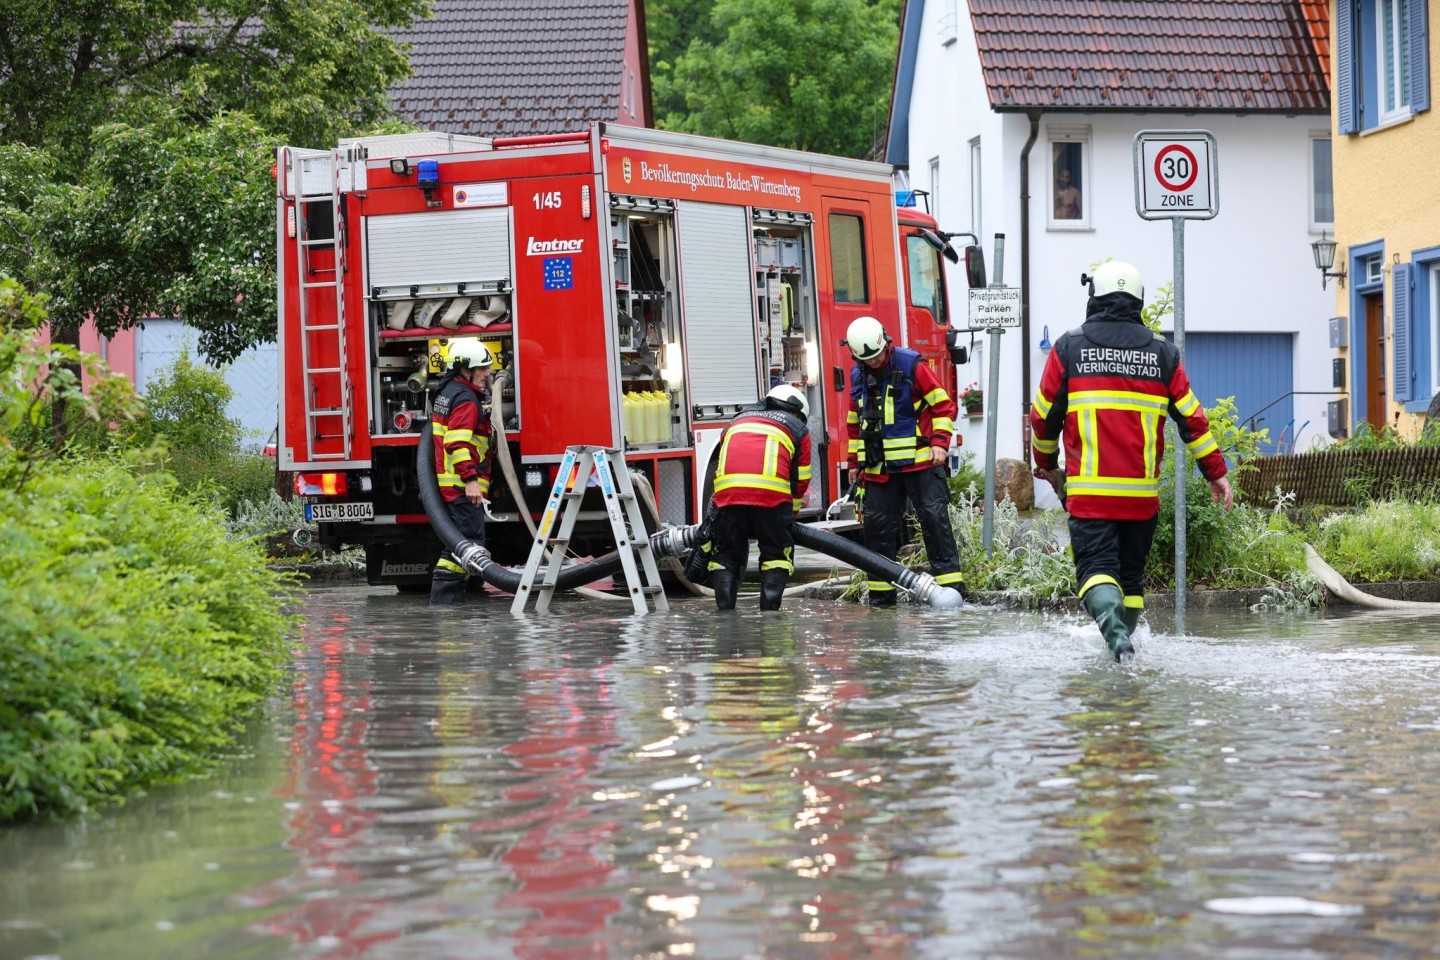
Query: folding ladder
[
  {"x": 637, "y": 557},
  {"x": 328, "y": 393}
]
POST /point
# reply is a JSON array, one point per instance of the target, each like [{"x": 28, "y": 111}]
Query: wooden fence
[{"x": 1343, "y": 478}]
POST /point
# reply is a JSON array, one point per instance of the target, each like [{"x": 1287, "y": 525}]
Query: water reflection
[{"x": 825, "y": 782}]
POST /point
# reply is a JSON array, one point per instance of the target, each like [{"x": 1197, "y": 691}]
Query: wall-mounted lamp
[
  {"x": 400, "y": 166},
  {"x": 1324, "y": 250}
]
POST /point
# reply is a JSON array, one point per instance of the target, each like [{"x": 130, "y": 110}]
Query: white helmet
[
  {"x": 467, "y": 353},
  {"x": 866, "y": 338},
  {"x": 787, "y": 397},
  {"x": 1115, "y": 276}
]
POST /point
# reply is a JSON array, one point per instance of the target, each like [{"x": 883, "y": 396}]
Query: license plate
[{"x": 320, "y": 512}]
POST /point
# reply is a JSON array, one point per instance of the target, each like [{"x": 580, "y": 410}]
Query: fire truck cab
[{"x": 638, "y": 287}]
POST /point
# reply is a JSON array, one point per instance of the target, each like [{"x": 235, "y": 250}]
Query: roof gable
[
  {"x": 505, "y": 67},
  {"x": 1251, "y": 56}
]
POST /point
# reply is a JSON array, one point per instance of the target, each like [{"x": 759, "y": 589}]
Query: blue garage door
[{"x": 1257, "y": 369}]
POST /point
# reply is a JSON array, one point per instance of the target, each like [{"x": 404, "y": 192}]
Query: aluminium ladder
[
  {"x": 328, "y": 393},
  {"x": 637, "y": 556}
]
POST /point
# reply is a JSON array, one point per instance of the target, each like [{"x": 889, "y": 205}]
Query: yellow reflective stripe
[
  {"x": 1118, "y": 400},
  {"x": 1042, "y": 405},
  {"x": 459, "y": 436},
  {"x": 853, "y": 416},
  {"x": 459, "y": 456},
  {"x": 1134, "y": 601},
  {"x": 1089, "y": 441},
  {"x": 484, "y": 484},
  {"x": 796, "y": 504},
  {"x": 771, "y": 431},
  {"x": 857, "y": 446},
  {"x": 1096, "y": 580},
  {"x": 1112, "y": 486},
  {"x": 445, "y": 563},
  {"x": 1203, "y": 445},
  {"x": 1044, "y": 446},
  {"x": 448, "y": 480},
  {"x": 782, "y": 564},
  {"x": 946, "y": 579},
  {"x": 889, "y": 407},
  {"x": 880, "y": 586},
  {"x": 1187, "y": 405},
  {"x": 751, "y": 480},
  {"x": 1149, "y": 425},
  {"x": 943, "y": 423},
  {"x": 905, "y": 444},
  {"x": 936, "y": 396},
  {"x": 803, "y": 473}
]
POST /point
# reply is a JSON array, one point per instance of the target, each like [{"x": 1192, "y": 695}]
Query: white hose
[{"x": 1341, "y": 588}]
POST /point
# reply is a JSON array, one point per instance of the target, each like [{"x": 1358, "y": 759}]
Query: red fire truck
[{"x": 639, "y": 287}]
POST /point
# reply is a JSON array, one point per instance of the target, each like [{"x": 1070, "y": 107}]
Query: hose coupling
[
  {"x": 472, "y": 557},
  {"x": 923, "y": 588},
  {"x": 673, "y": 541}
]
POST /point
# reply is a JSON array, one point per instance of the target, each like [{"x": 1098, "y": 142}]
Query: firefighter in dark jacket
[
  {"x": 462, "y": 457},
  {"x": 762, "y": 471},
  {"x": 900, "y": 424},
  {"x": 1106, "y": 390}
]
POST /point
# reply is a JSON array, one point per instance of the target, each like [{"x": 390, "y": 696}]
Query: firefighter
[
  {"x": 1106, "y": 389},
  {"x": 761, "y": 474},
  {"x": 462, "y": 457},
  {"x": 900, "y": 424}
]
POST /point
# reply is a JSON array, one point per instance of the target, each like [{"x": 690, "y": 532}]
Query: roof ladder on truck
[
  {"x": 329, "y": 397},
  {"x": 637, "y": 556}
]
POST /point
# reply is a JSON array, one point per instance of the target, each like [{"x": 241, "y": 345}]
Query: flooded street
[{"x": 822, "y": 782}]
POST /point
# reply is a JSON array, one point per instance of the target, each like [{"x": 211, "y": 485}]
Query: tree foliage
[
  {"x": 808, "y": 74},
  {"x": 137, "y": 139}
]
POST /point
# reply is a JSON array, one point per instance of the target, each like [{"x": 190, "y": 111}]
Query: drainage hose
[
  {"x": 1343, "y": 589},
  {"x": 921, "y": 586},
  {"x": 475, "y": 558},
  {"x": 669, "y": 542}
]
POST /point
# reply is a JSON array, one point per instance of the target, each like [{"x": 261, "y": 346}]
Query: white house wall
[{"x": 1248, "y": 270}]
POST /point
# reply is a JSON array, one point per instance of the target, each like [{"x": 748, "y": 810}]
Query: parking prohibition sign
[{"x": 1175, "y": 174}]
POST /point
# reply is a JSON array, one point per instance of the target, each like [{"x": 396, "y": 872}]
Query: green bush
[
  {"x": 1388, "y": 540},
  {"x": 137, "y": 637}
]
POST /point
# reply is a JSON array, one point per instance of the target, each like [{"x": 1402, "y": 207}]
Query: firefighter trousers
[
  {"x": 884, "y": 522},
  {"x": 450, "y": 581},
  {"x": 1112, "y": 551},
  {"x": 772, "y": 529}
]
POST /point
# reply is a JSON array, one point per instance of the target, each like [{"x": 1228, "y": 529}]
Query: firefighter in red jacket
[
  {"x": 1106, "y": 389},
  {"x": 761, "y": 474},
  {"x": 900, "y": 424},
  {"x": 462, "y": 457}
]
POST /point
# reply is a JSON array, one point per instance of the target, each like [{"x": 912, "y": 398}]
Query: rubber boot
[
  {"x": 772, "y": 589},
  {"x": 1130, "y": 616},
  {"x": 1104, "y": 603},
  {"x": 447, "y": 587},
  {"x": 726, "y": 585}
]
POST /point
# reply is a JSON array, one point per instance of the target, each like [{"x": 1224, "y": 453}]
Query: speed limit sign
[{"x": 1175, "y": 175}]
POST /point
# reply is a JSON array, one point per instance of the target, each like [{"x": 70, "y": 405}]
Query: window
[
  {"x": 1069, "y": 170},
  {"x": 926, "y": 291},
  {"x": 975, "y": 193},
  {"x": 1382, "y": 66},
  {"x": 1322, "y": 190},
  {"x": 935, "y": 187},
  {"x": 847, "y": 258}
]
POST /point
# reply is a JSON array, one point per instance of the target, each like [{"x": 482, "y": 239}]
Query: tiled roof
[
  {"x": 1251, "y": 56},
  {"x": 514, "y": 67}
]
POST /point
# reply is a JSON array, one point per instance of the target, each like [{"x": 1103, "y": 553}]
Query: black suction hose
[
  {"x": 671, "y": 541},
  {"x": 474, "y": 557},
  {"x": 921, "y": 586}
]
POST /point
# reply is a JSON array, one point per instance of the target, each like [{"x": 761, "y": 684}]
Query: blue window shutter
[
  {"x": 1419, "y": 56},
  {"x": 1346, "y": 30},
  {"x": 1400, "y": 303}
]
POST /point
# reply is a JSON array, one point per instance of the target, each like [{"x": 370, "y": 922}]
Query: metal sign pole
[
  {"x": 1181, "y": 464},
  {"x": 987, "y": 525},
  {"x": 1177, "y": 178}
]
